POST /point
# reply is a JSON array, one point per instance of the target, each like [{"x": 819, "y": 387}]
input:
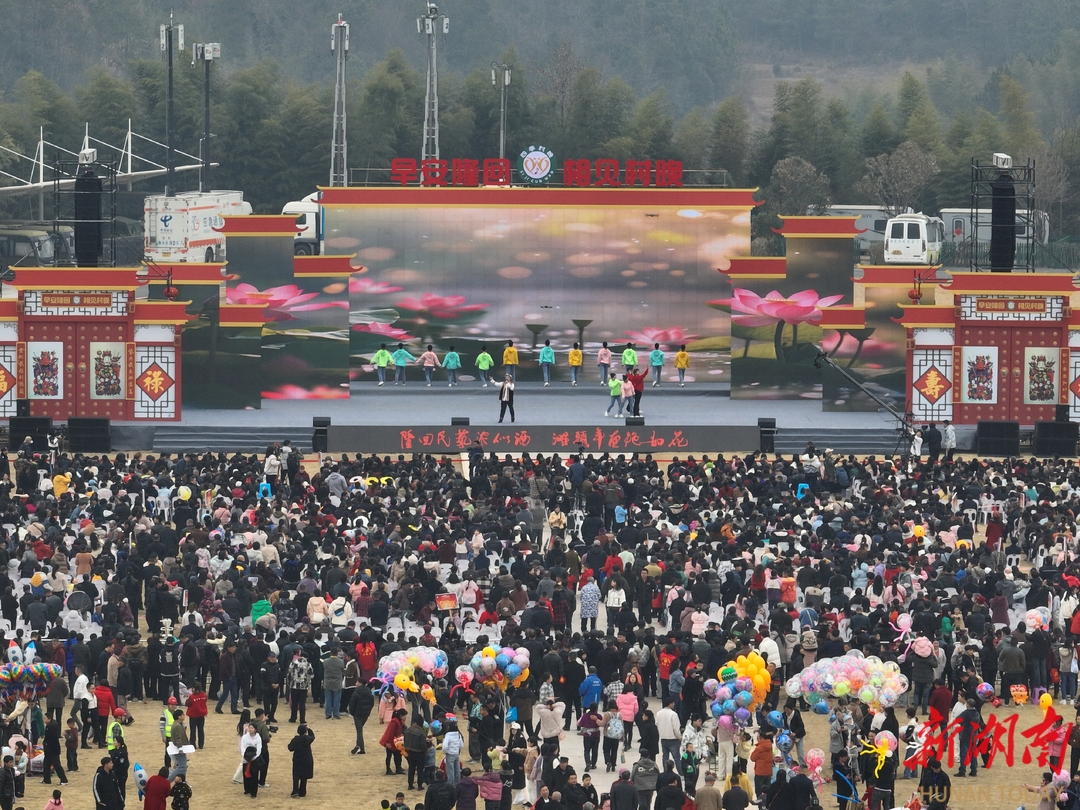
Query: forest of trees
[{"x": 661, "y": 79}]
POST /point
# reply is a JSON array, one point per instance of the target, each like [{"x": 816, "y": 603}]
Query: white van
[{"x": 914, "y": 239}]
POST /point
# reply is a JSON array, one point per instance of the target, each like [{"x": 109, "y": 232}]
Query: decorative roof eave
[
  {"x": 259, "y": 225},
  {"x": 819, "y": 227},
  {"x": 197, "y": 273},
  {"x": 325, "y": 266},
  {"x": 842, "y": 317},
  {"x": 968, "y": 283},
  {"x": 65, "y": 279},
  {"x": 756, "y": 267},
  {"x": 926, "y": 316},
  {"x": 503, "y": 196},
  {"x": 895, "y": 275},
  {"x": 162, "y": 312},
  {"x": 242, "y": 315}
]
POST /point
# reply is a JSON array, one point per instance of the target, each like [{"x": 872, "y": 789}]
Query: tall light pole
[
  {"x": 500, "y": 77},
  {"x": 339, "y": 147},
  {"x": 429, "y": 26},
  {"x": 207, "y": 53},
  {"x": 166, "y": 34}
]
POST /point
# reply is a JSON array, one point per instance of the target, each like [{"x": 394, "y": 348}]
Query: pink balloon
[{"x": 903, "y": 621}]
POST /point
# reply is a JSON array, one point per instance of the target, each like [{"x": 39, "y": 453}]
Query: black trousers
[
  {"x": 270, "y": 701},
  {"x": 52, "y": 761},
  {"x": 298, "y": 701},
  {"x": 198, "y": 731},
  {"x": 637, "y": 402},
  {"x": 359, "y": 723},
  {"x": 299, "y": 787},
  {"x": 396, "y": 755},
  {"x": 592, "y": 750},
  {"x": 416, "y": 768},
  {"x": 503, "y": 405}
]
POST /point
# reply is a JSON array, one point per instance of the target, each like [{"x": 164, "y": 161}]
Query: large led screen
[{"x": 479, "y": 275}]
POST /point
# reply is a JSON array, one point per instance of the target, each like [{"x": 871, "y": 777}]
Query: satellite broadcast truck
[{"x": 181, "y": 228}]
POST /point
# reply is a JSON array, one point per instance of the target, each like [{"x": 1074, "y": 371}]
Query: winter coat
[
  {"x": 591, "y": 690},
  {"x": 303, "y": 762}
]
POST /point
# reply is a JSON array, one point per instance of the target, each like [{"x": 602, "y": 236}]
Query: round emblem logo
[{"x": 536, "y": 165}]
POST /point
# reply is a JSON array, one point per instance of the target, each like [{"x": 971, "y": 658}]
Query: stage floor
[{"x": 697, "y": 404}]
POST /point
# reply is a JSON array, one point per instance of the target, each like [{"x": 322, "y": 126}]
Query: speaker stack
[
  {"x": 36, "y": 427},
  {"x": 89, "y": 435},
  {"x": 1056, "y": 438},
  {"x": 998, "y": 439},
  {"x": 320, "y": 439},
  {"x": 1003, "y": 223}
]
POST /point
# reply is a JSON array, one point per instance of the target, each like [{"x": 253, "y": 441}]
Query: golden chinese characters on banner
[
  {"x": 932, "y": 385},
  {"x": 154, "y": 382}
]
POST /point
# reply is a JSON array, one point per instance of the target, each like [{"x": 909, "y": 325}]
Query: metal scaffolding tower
[
  {"x": 428, "y": 25},
  {"x": 339, "y": 150}
]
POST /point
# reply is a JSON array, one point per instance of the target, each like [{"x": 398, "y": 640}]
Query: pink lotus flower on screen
[
  {"x": 442, "y": 308},
  {"x": 281, "y": 301},
  {"x": 290, "y": 391},
  {"x": 750, "y": 309},
  {"x": 383, "y": 330},
  {"x": 650, "y": 335},
  {"x": 371, "y": 287}
]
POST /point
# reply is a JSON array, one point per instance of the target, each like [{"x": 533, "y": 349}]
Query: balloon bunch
[
  {"x": 500, "y": 668},
  {"x": 1037, "y": 619},
  {"x": 27, "y": 681},
  {"x": 397, "y": 671},
  {"x": 815, "y": 761},
  {"x": 883, "y": 745},
  {"x": 743, "y": 686},
  {"x": 874, "y": 682}
]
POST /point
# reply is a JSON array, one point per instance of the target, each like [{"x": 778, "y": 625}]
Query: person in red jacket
[
  {"x": 196, "y": 712},
  {"x": 105, "y": 705},
  {"x": 638, "y": 381},
  {"x": 157, "y": 790}
]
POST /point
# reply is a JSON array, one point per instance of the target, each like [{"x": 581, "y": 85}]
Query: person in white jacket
[
  {"x": 451, "y": 746},
  {"x": 670, "y": 730}
]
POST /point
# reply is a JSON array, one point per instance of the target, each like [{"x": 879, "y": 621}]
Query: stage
[{"x": 381, "y": 420}]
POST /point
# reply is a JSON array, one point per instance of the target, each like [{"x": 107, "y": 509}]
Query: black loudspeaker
[
  {"x": 1003, "y": 224},
  {"x": 456, "y": 421},
  {"x": 1056, "y": 438},
  {"x": 320, "y": 440},
  {"x": 88, "y": 243},
  {"x": 767, "y": 434},
  {"x": 635, "y": 421},
  {"x": 320, "y": 421},
  {"x": 1061, "y": 413},
  {"x": 89, "y": 435},
  {"x": 998, "y": 439},
  {"x": 22, "y": 407},
  {"x": 36, "y": 427}
]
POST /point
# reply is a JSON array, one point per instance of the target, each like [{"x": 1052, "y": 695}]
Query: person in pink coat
[
  {"x": 627, "y": 704},
  {"x": 603, "y": 360}
]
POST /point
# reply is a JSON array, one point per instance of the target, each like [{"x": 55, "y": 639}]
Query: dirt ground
[{"x": 359, "y": 780}]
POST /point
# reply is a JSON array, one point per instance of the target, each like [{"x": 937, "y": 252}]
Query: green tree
[
  {"x": 731, "y": 139},
  {"x": 252, "y": 136},
  {"x": 106, "y": 104},
  {"x": 795, "y": 187},
  {"x": 877, "y": 136},
  {"x": 305, "y": 121},
  {"x": 923, "y": 127},
  {"x": 652, "y": 127},
  {"x": 390, "y": 114},
  {"x": 691, "y": 145},
  {"x": 40, "y": 104},
  {"x": 911, "y": 94},
  {"x": 1021, "y": 135}
]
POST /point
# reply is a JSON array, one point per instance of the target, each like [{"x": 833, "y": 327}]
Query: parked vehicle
[{"x": 914, "y": 239}]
